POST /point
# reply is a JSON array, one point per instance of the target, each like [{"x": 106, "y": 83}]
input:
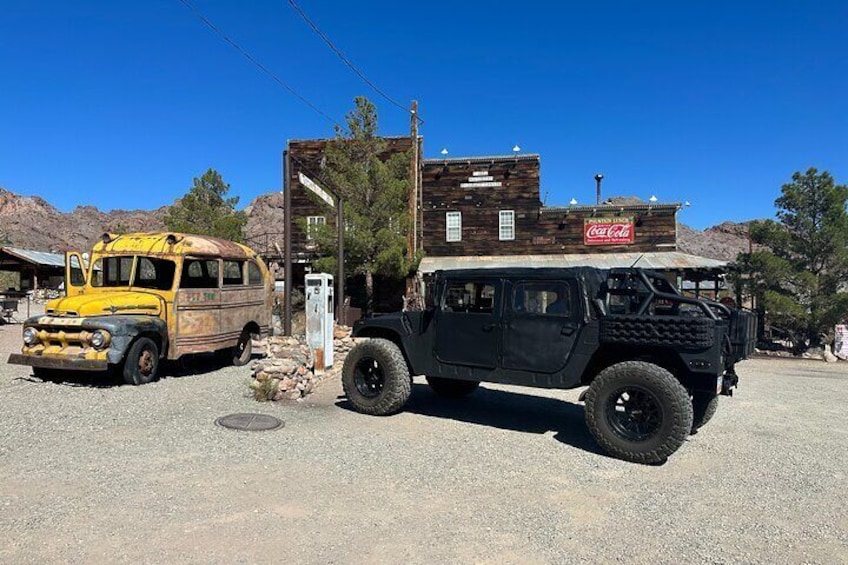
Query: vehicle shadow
[
  {"x": 507, "y": 411},
  {"x": 188, "y": 366}
]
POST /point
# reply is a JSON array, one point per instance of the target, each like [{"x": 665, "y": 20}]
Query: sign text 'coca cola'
[{"x": 608, "y": 231}]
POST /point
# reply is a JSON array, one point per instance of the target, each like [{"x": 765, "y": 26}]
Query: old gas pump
[{"x": 319, "y": 319}]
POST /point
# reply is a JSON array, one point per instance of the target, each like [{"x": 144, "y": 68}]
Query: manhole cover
[{"x": 249, "y": 422}]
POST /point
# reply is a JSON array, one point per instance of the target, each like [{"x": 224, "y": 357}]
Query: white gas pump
[{"x": 319, "y": 319}]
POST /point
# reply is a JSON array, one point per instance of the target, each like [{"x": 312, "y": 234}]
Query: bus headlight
[
  {"x": 30, "y": 336},
  {"x": 99, "y": 339}
]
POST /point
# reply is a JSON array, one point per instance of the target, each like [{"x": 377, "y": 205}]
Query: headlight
[
  {"x": 99, "y": 339},
  {"x": 30, "y": 336}
]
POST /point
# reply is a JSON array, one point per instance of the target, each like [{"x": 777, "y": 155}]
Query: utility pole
[
  {"x": 287, "y": 295},
  {"x": 412, "y": 236},
  {"x": 341, "y": 318},
  {"x": 412, "y": 245}
]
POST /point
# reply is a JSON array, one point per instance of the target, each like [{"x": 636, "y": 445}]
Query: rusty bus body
[{"x": 145, "y": 297}]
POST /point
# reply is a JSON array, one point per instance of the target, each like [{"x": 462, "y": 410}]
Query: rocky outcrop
[{"x": 723, "y": 242}]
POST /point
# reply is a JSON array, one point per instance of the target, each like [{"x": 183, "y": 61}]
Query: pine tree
[{"x": 206, "y": 210}]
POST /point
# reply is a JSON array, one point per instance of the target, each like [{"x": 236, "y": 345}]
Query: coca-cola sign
[{"x": 608, "y": 231}]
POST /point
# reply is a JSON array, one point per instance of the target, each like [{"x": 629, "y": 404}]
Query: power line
[
  {"x": 344, "y": 59},
  {"x": 253, "y": 60}
]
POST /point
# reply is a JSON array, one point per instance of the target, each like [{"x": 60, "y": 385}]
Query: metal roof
[
  {"x": 36, "y": 257},
  {"x": 483, "y": 159},
  {"x": 660, "y": 260},
  {"x": 610, "y": 208}
]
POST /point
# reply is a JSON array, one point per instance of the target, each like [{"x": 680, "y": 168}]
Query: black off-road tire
[
  {"x": 142, "y": 363},
  {"x": 704, "y": 406},
  {"x": 375, "y": 377},
  {"x": 241, "y": 353},
  {"x": 638, "y": 412},
  {"x": 452, "y": 388}
]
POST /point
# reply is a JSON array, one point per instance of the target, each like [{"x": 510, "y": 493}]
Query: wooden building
[
  {"x": 34, "y": 269},
  {"x": 490, "y": 206},
  {"x": 307, "y": 166},
  {"x": 487, "y": 212},
  {"x": 312, "y": 203}
]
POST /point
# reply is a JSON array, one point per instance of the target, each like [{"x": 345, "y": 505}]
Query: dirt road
[{"x": 119, "y": 474}]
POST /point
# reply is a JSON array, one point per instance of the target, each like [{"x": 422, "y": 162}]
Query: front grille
[{"x": 52, "y": 312}]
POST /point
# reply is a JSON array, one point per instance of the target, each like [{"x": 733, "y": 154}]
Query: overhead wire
[
  {"x": 255, "y": 62},
  {"x": 345, "y": 60}
]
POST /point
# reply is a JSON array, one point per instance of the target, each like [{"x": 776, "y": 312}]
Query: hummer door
[
  {"x": 542, "y": 322},
  {"x": 466, "y": 324},
  {"x": 75, "y": 276}
]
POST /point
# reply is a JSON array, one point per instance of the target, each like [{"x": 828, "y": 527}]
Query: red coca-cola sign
[{"x": 608, "y": 231}]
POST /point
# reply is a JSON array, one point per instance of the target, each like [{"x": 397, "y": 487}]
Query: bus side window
[
  {"x": 233, "y": 273},
  {"x": 199, "y": 273}
]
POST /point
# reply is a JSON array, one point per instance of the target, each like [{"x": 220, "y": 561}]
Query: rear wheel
[
  {"x": 452, "y": 388},
  {"x": 638, "y": 412},
  {"x": 704, "y": 406},
  {"x": 240, "y": 354},
  {"x": 142, "y": 362},
  {"x": 375, "y": 377}
]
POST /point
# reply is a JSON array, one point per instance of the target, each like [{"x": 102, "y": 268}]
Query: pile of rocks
[
  {"x": 288, "y": 369},
  {"x": 342, "y": 344},
  {"x": 285, "y": 373}
]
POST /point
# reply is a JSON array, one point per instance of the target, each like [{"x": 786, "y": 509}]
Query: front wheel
[
  {"x": 375, "y": 377},
  {"x": 142, "y": 362},
  {"x": 638, "y": 412}
]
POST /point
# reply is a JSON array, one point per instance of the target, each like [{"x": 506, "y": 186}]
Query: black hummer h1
[{"x": 654, "y": 361}]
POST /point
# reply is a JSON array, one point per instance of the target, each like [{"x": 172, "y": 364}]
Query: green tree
[
  {"x": 799, "y": 274},
  {"x": 206, "y": 210},
  {"x": 374, "y": 187}
]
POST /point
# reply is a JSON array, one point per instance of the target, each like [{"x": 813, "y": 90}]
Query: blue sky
[{"x": 119, "y": 104}]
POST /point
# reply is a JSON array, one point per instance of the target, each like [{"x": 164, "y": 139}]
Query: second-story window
[
  {"x": 506, "y": 225},
  {"x": 453, "y": 231},
  {"x": 311, "y": 223}
]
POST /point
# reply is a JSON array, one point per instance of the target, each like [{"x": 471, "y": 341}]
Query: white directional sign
[{"x": 313, "y": 186}]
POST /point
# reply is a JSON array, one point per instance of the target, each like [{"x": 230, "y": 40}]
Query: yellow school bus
[{"x": 142, "y": 298}]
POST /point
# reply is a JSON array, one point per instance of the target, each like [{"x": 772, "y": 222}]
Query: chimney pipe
[{"x": 598, "y": 179}]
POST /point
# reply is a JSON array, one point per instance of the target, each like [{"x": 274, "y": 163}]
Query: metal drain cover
[{"x": 250, "y": 422}]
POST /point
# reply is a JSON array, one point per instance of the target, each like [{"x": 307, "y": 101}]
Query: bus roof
[{"x": 171, "y": 243}]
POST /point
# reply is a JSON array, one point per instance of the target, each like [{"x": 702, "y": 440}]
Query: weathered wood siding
[
  {"x": 480, "y": 189},
  {"x": 307, "y": 156}
]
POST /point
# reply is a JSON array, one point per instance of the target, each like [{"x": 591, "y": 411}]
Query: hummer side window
[
  {"x": 549, "y": 297},
  {"x": 474, "y": 297}
]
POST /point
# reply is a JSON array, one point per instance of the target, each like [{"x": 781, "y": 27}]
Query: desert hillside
[{"x": 33, "y": 223}]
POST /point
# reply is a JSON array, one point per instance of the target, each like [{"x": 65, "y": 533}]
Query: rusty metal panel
[{"x": 198, "y": 314}]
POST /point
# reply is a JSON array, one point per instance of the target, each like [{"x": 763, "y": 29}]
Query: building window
[
  {"x": 453, "y": 221},
  {"x": 311, "y": 223},
  {"x": 506, "y": 225}
]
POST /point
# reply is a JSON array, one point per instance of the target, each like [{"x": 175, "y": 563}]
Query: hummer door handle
[
  {"x": 488, "y": 327},
  {"x": 568, "y": 329}
]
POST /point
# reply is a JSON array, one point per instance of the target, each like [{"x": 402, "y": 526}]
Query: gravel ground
[{"x": 120, "y": 474}]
